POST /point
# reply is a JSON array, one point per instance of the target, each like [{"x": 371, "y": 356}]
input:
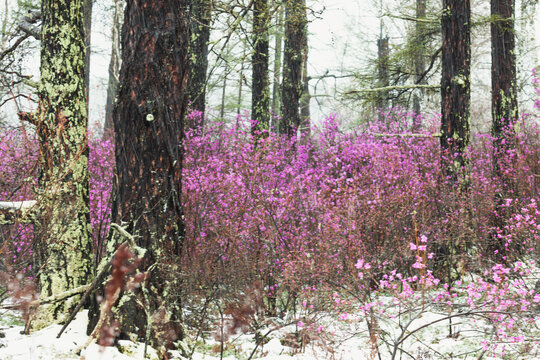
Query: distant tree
[
  {"x": 63, "y": 244},
  {"x": 260, "y": 92},
  {"x": 419, "y": 53},
  {"x": 201, "y": 17},
  {"x": 383, "y": 55},
  {"x": 148, "y": 121},
  {"x": 20, "y": 26},
  {"x": 293, "y": 57},
  {"x": 278, "y": 49},
  {"x": 305, "y": 98},
  {"x": 88, "y": 7},
  {"x": 114, "y": 63},
  {"x": 455, "y": 81}
]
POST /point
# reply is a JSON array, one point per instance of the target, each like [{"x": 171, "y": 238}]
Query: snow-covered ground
[{"x": 344, "y": 339}]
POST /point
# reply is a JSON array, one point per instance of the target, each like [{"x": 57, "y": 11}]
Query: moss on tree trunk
[{"x": 63, "y": 242}]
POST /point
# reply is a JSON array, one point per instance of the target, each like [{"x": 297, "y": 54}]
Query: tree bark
[
  {"x": 503, "y": 69},
  {"x": 504, "y": 107},
  {"x": 114, "y": 64},
  {"x": 419, "y": 58},
  {"x": 455, "y": 82},
  {"x": 260, "y": 92},
  {"x": 305, "y": 114},
  {"x": 63, "y": 244},
  {"x": 383, "y": 52},
  {"x": 148, "y": 120},
  {"x": 295, "y": 31},
  {"x": 201, "y": 16}
]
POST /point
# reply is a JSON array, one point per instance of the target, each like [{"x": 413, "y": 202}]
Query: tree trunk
[
  {"x": 419, "y": 56},
  {"x": 241, "y": 79},
  {"x": 260, "y": 92},
  {"x": 455, "y": 82},
  {"x": 88, "y": 5},
  {"x": 305, "y": 99},
  {"x": 277, "y": 64},
  {"x": 201, "y": 16},
  {"x": 383, "y": 52},
  {"x": 114, "y": 64},
  {"x": 63, "y": 244},
  {"x": 503, "y": 69},
  {"x": 223, "y": 94},
  {"x": 148, "y": 120},
  {"x": 504, "y": 109},
  {"x": 295, "y": 31}
]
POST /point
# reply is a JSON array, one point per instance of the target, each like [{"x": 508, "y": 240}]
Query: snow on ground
[{"x": 339, "y": 340}]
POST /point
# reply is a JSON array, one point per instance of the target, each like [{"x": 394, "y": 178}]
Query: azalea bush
[{"x": 357, "y": 222}]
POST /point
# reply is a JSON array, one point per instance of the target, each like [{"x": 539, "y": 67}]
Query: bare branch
[
  {"x": 13, "y": 47},
  {"x": 389, "y": 88}
]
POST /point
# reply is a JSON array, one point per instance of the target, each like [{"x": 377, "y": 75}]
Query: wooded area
[{"x": 173, "y": 222}]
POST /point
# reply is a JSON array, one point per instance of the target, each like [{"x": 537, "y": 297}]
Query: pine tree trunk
[
  {"x": 419, "y": 56},
  {"x": 455, "y": 82},
  {"x": 148, "y": 120},
  {"x": 63, "y": 243},
  {"x": 504, "y": 109},
  {"x": 260, "y": 92},
  {"x": 293, "y": 55},
  {"x": 114, "y": 64},
  {"x": 503, "y": 68},
  {"x": 201, "y": 16}
]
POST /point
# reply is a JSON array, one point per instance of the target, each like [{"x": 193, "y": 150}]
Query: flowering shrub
[{"x": 358, "y": 222}]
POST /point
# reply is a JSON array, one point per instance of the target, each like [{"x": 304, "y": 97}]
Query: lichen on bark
[{"x": 63, "y": 241}]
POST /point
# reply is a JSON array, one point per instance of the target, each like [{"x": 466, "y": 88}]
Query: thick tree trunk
[
  {"x": 260, "y": 92},
  {"x": 455, "y": 82},
  {"x": 148, "y": 120},
  {"x": 63, "y": 245},
  {"x": 419, "y": 58},
  {"x": 504, "y": 109},
  {"x": 201, "y": 16},
  {"x": 503, "y": 68},
  {"x": 114, "y": 64},
  {"x": 295, "y": 31}
]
